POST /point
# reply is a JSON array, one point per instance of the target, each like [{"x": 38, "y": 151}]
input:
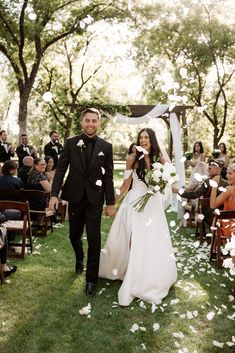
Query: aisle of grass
[{"x": 39, "y": 309}]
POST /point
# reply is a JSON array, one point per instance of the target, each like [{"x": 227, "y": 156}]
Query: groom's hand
[
  {"x": 53, "y": 203},
  {"x": 110, "y": 211}
]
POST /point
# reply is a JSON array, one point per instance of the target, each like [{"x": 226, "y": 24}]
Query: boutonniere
[{"x": 81, "y": 145}]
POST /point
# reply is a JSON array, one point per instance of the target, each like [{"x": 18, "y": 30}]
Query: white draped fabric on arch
[{"x": 157, "y": 112}]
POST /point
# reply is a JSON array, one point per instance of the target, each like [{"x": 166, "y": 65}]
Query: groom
[{"x": 89, "y": 182}]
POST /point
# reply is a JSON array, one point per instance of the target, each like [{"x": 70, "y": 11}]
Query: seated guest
[
  {"x": 214, "y": 169},
  {"x": 23, "y": 172},
  {"x": 50, "y": 171},
  {"x": 37, "y": 180},
  {"x": 5, "y": 270},
  {"x": 8, "y": 180},
  {"x": 24, "y": 150}
]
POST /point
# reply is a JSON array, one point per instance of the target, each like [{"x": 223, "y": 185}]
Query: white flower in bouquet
[{"x": 156, "y": 180}]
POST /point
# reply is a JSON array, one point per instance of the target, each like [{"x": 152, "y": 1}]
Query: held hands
[
  {"x": 53, "y": 203},
  {"x": 110, "y": 211}
]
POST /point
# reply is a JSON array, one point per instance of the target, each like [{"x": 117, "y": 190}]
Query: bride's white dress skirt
[{"x": 138, "y": 250}]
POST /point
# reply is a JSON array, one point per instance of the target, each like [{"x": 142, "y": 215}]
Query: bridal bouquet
[
  {"x": 216, "y": 153},
  {"x": 188, "y": 156},
  {"x": 156, "y": 180}
]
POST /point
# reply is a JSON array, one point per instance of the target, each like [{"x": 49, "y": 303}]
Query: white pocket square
[{"x": 101, "y": 153}]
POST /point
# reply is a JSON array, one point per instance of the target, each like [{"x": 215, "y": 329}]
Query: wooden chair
[
  {"x": 218, "y": 233},
  {"x": 12, "y": 195},
  {"x": 200, "y": 232},
  {"x": 22, "y": 227},
  {"x": 42, "y": 220}
]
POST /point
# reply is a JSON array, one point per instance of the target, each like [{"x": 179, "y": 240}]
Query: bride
[{"x": 138, "y": 249}]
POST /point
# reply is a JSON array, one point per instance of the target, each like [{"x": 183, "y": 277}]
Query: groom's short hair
[{"x": 91, "y": 110}]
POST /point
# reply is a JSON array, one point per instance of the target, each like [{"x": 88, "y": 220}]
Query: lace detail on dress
[{"x": 127, "y": 173}]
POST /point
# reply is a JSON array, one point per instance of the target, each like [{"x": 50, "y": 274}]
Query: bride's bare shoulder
[{"x": 130, "y": 161}]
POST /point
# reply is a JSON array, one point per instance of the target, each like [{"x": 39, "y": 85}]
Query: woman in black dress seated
[{"x": 37, "y": 180}]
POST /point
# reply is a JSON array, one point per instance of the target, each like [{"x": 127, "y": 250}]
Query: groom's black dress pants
[{"x": 83, "y": 214}]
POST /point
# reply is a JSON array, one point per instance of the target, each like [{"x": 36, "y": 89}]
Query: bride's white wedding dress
[{"x": 138, "y": 249}]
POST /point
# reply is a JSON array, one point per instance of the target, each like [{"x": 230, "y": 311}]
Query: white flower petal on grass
[
  {"x": 189, "y": 315},
  {"x": 172, "y": 223},
  {"x": 178, "y": 334},
  {"x": 142, "y": 305},
  {"x": 231, "y": 298},
  {"x": 230, "y": 344},
  {"x": 192, "y": 329},
  {"x": 143, "y": 346},
  {"x": 153, "y": 308},
  {"x": 210, "y": 315},
  {"x": 213, "y": 183},
  {"x": 156, "y": 327},
  {"x": 134, "y": 328},
  {"x": 186, "y": 215},
  {"x": 142, "y": 328},
  {"x": 196, "y": 244},
  {"x": 218, "y": 344},
  {"x": 174, "y": 301},
  {"x": 86, "y": 310},
  {"x": 103, "y": 170}
]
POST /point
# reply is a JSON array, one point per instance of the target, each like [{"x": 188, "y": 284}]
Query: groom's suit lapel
[{"x": 81, "y": 153}]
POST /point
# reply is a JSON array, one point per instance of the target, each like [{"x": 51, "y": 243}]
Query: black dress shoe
[
  {"x": 90, "y": 289},
  {"x": 79, "y": 267},
  {"x": 11, "y": 270}
]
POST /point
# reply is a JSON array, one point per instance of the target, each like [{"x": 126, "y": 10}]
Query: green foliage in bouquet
[
  {"x": 188, "y": 155},
  {"x": 216, "y": 153}
]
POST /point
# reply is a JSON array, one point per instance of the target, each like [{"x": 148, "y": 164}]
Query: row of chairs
[
  {"x": 32, "y": 221},
  {"x": 218, "y": 237}
]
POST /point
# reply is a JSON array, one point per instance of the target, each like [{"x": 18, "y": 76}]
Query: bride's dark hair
[{"x": 154, "y": 151}]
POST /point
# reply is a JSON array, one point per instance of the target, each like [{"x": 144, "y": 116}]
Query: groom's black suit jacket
[{"x": 82, "y": 179}]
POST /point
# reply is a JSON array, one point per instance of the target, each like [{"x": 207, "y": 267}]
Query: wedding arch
[{"x": 171, "y": 115}]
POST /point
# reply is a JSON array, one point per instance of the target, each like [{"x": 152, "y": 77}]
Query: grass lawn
[{"x": 39, "y": 308}]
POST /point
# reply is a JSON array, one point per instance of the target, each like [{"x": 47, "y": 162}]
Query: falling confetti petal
[{"x": 218, "y": 344}]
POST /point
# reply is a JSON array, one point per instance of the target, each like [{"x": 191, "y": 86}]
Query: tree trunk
[
  {"x": 23, "y": 110},
  {"x": 216, "y": 137}
]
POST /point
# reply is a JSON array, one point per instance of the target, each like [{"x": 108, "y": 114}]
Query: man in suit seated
[
  {"x": 204, "y": 190},
  {"x": 23, "y": 172}
]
